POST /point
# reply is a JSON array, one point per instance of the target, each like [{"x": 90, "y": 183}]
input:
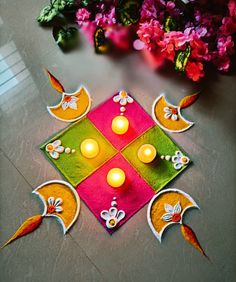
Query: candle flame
[
  {"x": 89, "y": 147},
  {"x": 120, "y": 123},
  {"x": 147, "y": 152},
  {"x": 116, "y": 176}
]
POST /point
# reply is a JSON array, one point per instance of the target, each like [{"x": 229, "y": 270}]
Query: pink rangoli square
[
  {"x": 98, "y": 195},
  {"x": 139, "y": 121}
]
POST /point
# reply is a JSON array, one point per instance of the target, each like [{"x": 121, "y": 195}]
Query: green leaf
[
  {"x": 128, "y": 11},
  {"x": 101, "y": 43},
  {"x": 50, "y": 11},
  {"x": 70, "y": 3},
  {"x": 47, "y": 14},
  {"x": 59, "y": 5},
  {"x": 169, "y": 24},
  {"x": 66, "y": 39},
  {"x": 86, "y": 3},
  {"x": 182, "y": 59}
]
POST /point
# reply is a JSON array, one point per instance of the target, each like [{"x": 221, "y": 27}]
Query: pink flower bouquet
[{"x": 188, "y": 33}]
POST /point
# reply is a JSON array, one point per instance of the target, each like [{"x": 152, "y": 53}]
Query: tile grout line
[
  {"x": 96, "y": 267},
  {"x": 16, "y": 168}
]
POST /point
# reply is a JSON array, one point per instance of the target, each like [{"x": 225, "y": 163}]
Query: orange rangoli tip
[
  {"x": 191, "y": 237},
  {"x": 26, "y": 227},
  {"x": 73, "y": 106},
  {"x": 55, "y": 82},
  {"x": 188, "y": 100},
  {"x": 60, "y": 201},
  {"x": 168, "y": 208}
]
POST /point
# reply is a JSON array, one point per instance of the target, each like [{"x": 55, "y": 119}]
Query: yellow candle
[
  {"x": 120, "y": 125},
  {"x": 147, "y": 153},
  {"x": 116, "y": 177},
  {"x": 89, "y": 148}
]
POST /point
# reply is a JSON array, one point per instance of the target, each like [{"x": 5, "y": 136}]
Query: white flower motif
[
  {"x": 179, "y": 160},
  {"x": 123, "y": 98},
  {"x": 172, "y": 213},
  {"x": 54, "y": 205},
  {"x": 69, "y": 102},
  {"x": 112, "y": 217},
  {"x": 171, "y": 113},
  {"x": 55, "y": 149}
]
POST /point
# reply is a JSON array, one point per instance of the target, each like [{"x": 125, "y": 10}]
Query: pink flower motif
[
  {"x": 199, "y": 49},
  {"x": 232, "y": 8},
  {"x": 194, "y": 70},
  {"x": 178, "y": 38},
  {"x": 148, "y": 10},
  {"x": 150, "y": 33},
  {"x": 170, "y": 6},
  {"x": 138, "y": 45},
  {"x": 169, "y": 51},
  {"x": 88, "y": 29},
  {"x": 201, "y": 31},
  {"x": 228, "y": 26},
  {"x": 82, "y": 16},
  {"x": 222, "y": 63},
  {"x": 209, "y": 33},
  {"x": 171, "y": 42},
  {"x": 197, "y": 16},
  {"x": 108, "y": 18},
  {"x": 120, "y": 37},
  {"x": 155, "y": 59},
  {"x": 225, "y": 45}
]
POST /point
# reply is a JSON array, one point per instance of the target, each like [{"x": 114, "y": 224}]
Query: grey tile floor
[{"x": 88, "y": 253}]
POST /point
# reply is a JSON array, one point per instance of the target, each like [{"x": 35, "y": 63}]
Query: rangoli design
[
  {"x": 167, "y": 208},
  {"x": 179, "y": 160},
  {"x": 55, "y": 149},
  {"x": 169, "y": 117},
  {"x": 110, "y": 158},
  {"x": 73, "y": 106},
  {"x": 112, "y": 216},
  {"x": 116, "y": 159},
  {"x": 60, "y": 200}
]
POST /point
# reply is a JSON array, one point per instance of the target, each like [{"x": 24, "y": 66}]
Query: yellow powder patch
[
  {"x": 83, "y": 104},
  {"x": 69, "y": 203},
  {"x": 158, "y": 208},
  {"x": 175, "y": 125}
]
